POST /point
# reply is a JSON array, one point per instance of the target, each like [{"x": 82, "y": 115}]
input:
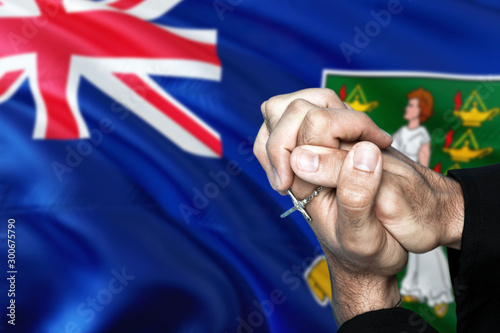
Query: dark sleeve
[
  {"x": 475, "y": 269},
  {"x": 387, "y": 321}
]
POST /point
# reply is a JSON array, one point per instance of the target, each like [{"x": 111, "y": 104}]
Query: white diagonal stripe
[{"x": 97, "y": 72}]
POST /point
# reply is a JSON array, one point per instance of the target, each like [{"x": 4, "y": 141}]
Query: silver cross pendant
[{"x": 297, "y": 205}]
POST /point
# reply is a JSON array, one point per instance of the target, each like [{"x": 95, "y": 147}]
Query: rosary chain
[{"x": 311, "y": 196}]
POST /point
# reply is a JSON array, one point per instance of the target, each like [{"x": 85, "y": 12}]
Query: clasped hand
[{"x": 376, "y": 205}]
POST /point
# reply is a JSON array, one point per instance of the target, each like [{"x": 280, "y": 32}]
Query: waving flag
[
  {"x": 113, "y": 47},
  {"x": 130, "y": 199}
]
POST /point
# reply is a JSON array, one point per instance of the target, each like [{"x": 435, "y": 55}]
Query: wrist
[
  {"x": 453, "y": 212},
  {"x": 355, "y": 295}
]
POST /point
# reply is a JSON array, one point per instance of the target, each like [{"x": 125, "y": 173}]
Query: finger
[
  {"x": 320, "y": 208},
  {"x": 304, "y": 123},
  {"x": 358, "y": 184},
  {"x": 283, "y": 140},
  {"x": 321, "y": 166},
  {"x": 318, "y": 165},
  {"x": 271, "y": 117},
  {"x": 327, "y": 127},
  {"x": 259, "y": 150},
  {"x": 273, "y": 108},
  {"x": 400, "y": 164},
  {"x": 292, "y": 107}
]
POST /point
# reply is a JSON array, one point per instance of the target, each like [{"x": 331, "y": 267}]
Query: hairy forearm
[{"x": 353, "y": 295}]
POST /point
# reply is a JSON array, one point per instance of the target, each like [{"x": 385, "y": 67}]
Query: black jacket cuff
[{"x": 387, "y": 321}]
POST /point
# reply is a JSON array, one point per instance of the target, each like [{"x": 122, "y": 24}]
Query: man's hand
[
  {"x": 363, "y": 257},
  {"x": 292, "y": 118},
  {"x": 420, "y": 207},
  {"x": 371, "y": 203}
]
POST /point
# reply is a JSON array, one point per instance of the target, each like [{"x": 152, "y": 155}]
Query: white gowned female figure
[{"x": 427, "y": 278}]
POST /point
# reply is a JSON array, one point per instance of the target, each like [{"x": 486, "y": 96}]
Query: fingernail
[
  {"x": 387, "y": 134},
  {"x": 365, "y": 159},
  {"x": 277, "y": 180},
  {"x": 307, "y": 160}
]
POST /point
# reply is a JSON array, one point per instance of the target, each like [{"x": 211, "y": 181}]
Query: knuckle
[
  {"x": 317, "y": 116},
  {"x": 315, "y": 123},
  {"x": 273, "y": 104},
  {"x": 363, "y": 120},
  {"x": 263, "y": 107},
  {"x": 261, "y": 156},
  {"x": 273, "y": 146},
  {"x": 257, "y": 151},
  {"x": 329, "y": 93},
  {"x": 298, "y": 105},
  {"x": 388, "y": 209},
  {"x": 326, "y": 94},
  {"x": 268, "y": 107},
  {"x": 259, "y": 146},
  {"x": 355, "y": 196},
  {"x": 271, "y": 121},
  {"x": 359, "y": 117},
  {"x": 363, "y": 116},
  {"x": 389, "y": 205}
]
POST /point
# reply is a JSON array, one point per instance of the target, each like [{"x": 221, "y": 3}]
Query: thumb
[
  {"x": 318, "y": 165},
  {"x": 358, "y": 184}
]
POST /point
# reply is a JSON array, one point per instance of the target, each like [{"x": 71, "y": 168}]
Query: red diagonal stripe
[
  {"x": 53, "y": 82},
  {"x": 125, "y": 4},
  {"x": 135, "y": 83},
  {"x": 8, "y": 79}
]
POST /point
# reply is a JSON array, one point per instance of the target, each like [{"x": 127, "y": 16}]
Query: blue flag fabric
[{"x": 126, "y": 231}]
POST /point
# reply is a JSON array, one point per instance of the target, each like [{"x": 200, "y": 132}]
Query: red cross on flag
[{"x": 112, "y": 44}]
